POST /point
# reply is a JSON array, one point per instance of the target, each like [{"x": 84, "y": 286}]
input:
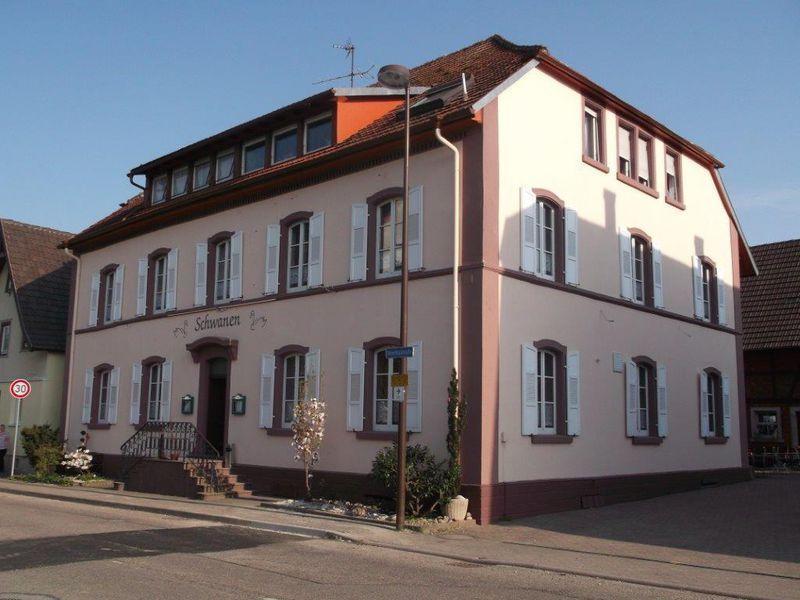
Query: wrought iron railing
[
  {"x": 172, "y": 440},
  {"x": 780, "y": 459}
]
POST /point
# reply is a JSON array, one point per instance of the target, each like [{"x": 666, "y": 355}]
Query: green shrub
[
  {"x": 53, "y": 478},
  {"x": 425, "y": 477},
  {"x": 35, "y": 436},
  {"x": 47, "y": 459}
]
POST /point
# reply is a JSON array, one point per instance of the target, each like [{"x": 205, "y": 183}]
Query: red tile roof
[
  {"x": 771, "y": 300},
  {"x": 41, "y": 274}
]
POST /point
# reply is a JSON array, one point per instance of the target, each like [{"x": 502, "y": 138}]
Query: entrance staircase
[{"x": 173, "y": 458}]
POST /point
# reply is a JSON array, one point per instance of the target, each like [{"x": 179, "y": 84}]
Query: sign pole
[
  {"x": 19, "y": 388},
  {"x": 16, "y": 437}
]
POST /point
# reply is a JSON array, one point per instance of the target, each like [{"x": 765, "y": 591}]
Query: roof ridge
[
  {"x": 778, "y": 243},
  {"x": 37, "y": 227}
]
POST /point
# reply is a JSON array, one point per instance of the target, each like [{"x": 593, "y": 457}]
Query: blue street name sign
[{"x": 403, "y": 352}]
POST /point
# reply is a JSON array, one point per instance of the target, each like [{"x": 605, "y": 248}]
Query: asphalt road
[{"x": 59, "y": 550}]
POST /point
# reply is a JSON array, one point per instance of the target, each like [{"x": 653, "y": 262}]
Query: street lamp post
[{"x": 398, "y": 76}]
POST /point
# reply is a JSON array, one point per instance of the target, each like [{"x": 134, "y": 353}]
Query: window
[
  {"x": 713, "y": 403},
  {"x": 390, "y": 237},
  {"x": 254, "y": 156},
  {"x": 102, "y": 399},
  {"x": 635, "y": 157},
  {"x": 639, "y": 254},
  {"x": 766, "y": 424},
  {"x": 318, "y": 133},
  {"x": 673, "y": 178},
  {"x": 155, "y": 393},
  {"x": 645, "y": 151},
  {"x": 180, "y": 181},
  {"x": 8, "y": 284},
  {"x": 646, "y": 401},
  {"x": 624, "y": 138},
  {"x": 643, "y": 415},
  {"x": 225, "y": 165},
  {"x": 593, "y": 136},
  {"x": 547, "y": 236},
  {"x": 5, "y": 337},
  {"x": 160, "y": 283},
  {"x": 294, "y": 373},
  {"x": 547, "y": 392},
  {"x": 708, "y": 280},
  {"x": 222, "y": 271},
  {"x": 202, "y": 171},
  {"x": 387, "y": 409},
  {"x": 641, "y": 269},
  {"x": 709, "y": 293},
  {"x": 284, "y": 144},
  {"x": 298, "y": 256},
  {"x": 108, "y": 296},
  {"x": 159, "y": 189}
]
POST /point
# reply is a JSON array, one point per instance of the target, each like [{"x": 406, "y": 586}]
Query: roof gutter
[{"x": 133, "y": 183}]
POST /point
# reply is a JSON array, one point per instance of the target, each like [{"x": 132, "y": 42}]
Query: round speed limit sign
[{"x": 20, "y": 388}]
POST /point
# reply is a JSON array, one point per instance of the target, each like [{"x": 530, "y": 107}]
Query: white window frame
[
  {"x": 158, "y": 386},
  {"x": 108, "y": 300},
  {"x": 185, "y": 185},
  {"x": 754, "y": 410},
  {"x": 277, "y": 133},
  {"x": 643, "y": 409},
  {"x": 711, "y": 403},
  {"x": 224, "y": 154},
  {"x": 204, "y": 184},
  {"x": 394, "y": 367},
  {"x": 226, "y": 266},
  {"x": 706, "y": 283},
  {"x": 156, "y": 180},
  {"x": 631, "y": 150},
  {"x": 648, "y": 143},
  {"x": 103, "y": 395},
  {"x": 592, "y": 133},
  {"x": 395, "y": 246},
  {"x": 542, "y": 381},
  {"x": 163, "y": 292},
  {"x": 635, "y": 241},
  {"x": 304, "y": 254},
  {"x": 5, "y": 338},
  {"x": 542, "y": 205},
  {"x": 327, "y": 115},
  {"x": 299, "y": 385},
  {"x": 669, "y": 152},
  {"x": 245, "y": 146}
]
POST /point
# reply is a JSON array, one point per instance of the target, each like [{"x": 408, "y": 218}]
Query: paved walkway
[{"x": 741, "y": 540}]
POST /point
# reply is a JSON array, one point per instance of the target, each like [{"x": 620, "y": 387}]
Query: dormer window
[
  {"x": 284, "y": 144},
  {"x": 180, "y": 181},
  {"x": 224, "y": 165},
  {"x": 318, "y": 133},
  {"x": 202, "y": 170},
  {"x": 159, "y": 189},
  {"x": 254, "y": 154}
]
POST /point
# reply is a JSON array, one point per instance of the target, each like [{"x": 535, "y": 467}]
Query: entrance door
[{"x": 217, "y": 402}]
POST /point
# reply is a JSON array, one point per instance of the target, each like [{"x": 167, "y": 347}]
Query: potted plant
[{"x": 456, "y": 507}]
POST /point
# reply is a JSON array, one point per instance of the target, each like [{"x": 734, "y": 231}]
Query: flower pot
[{"x": 456, "y": 509}]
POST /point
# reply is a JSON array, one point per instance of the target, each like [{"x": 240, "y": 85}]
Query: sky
[{"x": 89, "y": 90}]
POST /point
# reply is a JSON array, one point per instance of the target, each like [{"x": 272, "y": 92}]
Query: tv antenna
[{"x": 350, "y": 52}]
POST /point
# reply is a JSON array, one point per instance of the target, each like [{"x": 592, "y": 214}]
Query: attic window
[
  {"x": 159, "y": 189},
  {"x": 224, "y": 165},
  {"x": 441, "y": 95},
  {"x": 180, "y": 181},
  {"x": 318, "y": 133},
  {"x": 254, "y": 155},
  {"x": 284, "y": 144}
]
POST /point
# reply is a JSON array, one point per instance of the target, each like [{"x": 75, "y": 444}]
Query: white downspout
[
  {"x": 73, "y": 321},
  {"x": 456, "y": 240}
]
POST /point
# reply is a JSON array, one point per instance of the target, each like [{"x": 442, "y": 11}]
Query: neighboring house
[
  {"x": 598, "y": 314},
  {"x": 771, "y": 318},
  {"x": 35, "y": 277}
]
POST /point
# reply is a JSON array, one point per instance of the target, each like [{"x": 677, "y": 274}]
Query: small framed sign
[
  {"x": 238, "y": 404},
  {"x": 187, "y": 404}
]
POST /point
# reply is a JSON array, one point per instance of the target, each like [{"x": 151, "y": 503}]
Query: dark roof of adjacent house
[
  {"x": 771, "y": 300},
  {"x": 41, "y": 276}
]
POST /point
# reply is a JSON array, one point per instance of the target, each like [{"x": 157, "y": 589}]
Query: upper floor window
[
  {"x": 549, "y": 237},
  {"x": 387, "y": 408},
  {"x": 390, "y": 237},
  {"x": 709, "y": 291},
  {"x": 159, "y": 193},
  {"x": 160, "y": 283},
  {"x": 224, "y": 165},
  {"x": 222, "y": 271},
  {"x": 635, "y": 157},
  {"x": 593, "y": 135},
  {"x": 284, "y": 144},
  {"x": 254, "y": 155},
  {"x": 624, "y": 143},
  {"x": 294, "y": 373},
  {"x": 640, "y": 255},
  {"x": 673, "y": 178},
  {"x": 708, "y": 281},
  {"x": 202, "y": 173},
  {"x": 218, "y": 269},
  {"x": 180, "y": 181},
  {"x": 297, "y": 276},
  {"x": 105, "y": 301},
  {"x": 318, "y": 133},
  {"x": 108, "y": 295},
  {"x": 5, "y": 337},
  {"x": 640, "y": 268}
]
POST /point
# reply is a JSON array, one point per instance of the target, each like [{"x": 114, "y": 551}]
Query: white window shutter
[
  {"x": 267, "y": 390},
  {"x": 571, "y": 273},
  {"x": 116, "y": 297},
  {"x": 316, "y": 233},
  {"x": 355, "y": 389},
  {"x": 528, "y": 223},
  {"x": 86, "y": 412},
  {"x": 530, "y": 387},
  {"x": 166, "y": 390},
  {"x": 358, "y": 242},
  {"x": 312, "y": 373},
  {"x": 625, "y": 265},
  {"x": 704, "y": 432},
  {"x": 632, "y": 399},
  {"x": 697, "y": 277},
  {"x": 94, "y": 299},
  {"x": 722, "y": 308},
  {"x": 415, "y": 228},
  {"x": 141, "y": 288},
  {"x": 172, "y": 278},
  {"x": 136, "y": 393},
  {"x": 236, "y": 265},
  {"x": 273, "y": 259},
  {"x": 661, "y": 394},
  {"x": 658, "y": 284},
  {"x": 726, "y": 406},
  {"x": 200, "y": 273},
  {"x": 113, "y": 395},
  {"x": 573, "y": 393},
  {"x": 414, "y": 390}
]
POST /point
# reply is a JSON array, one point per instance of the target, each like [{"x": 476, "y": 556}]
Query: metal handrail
[{"x": 779, "y": 458}]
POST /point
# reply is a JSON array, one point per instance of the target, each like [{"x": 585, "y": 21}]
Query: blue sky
[{"x": 90, "y": 89}]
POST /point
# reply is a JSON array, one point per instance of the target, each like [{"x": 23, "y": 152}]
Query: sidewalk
[{"x": 522, "y": 545}]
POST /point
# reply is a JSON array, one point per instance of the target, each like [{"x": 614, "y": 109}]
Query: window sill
[
  {"x": 550, "y": 438},
  {"x": 714, "y": 440},
  {"x": 595, "y": 163},
  {"x": 385, "y": 436},
  {"x": 637, "y": 185},
  {"x": 646, "y": 440},
  {"x": 674, "y": 202},
  {"x": 98, "y": 426},
  {"x": 278, "y": 432}
]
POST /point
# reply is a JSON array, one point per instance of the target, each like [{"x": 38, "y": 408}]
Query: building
[
  {"x": 35, "y": 277},
  {"x": 600, "y": 262},
  {"x": 771, "y": 319}
]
